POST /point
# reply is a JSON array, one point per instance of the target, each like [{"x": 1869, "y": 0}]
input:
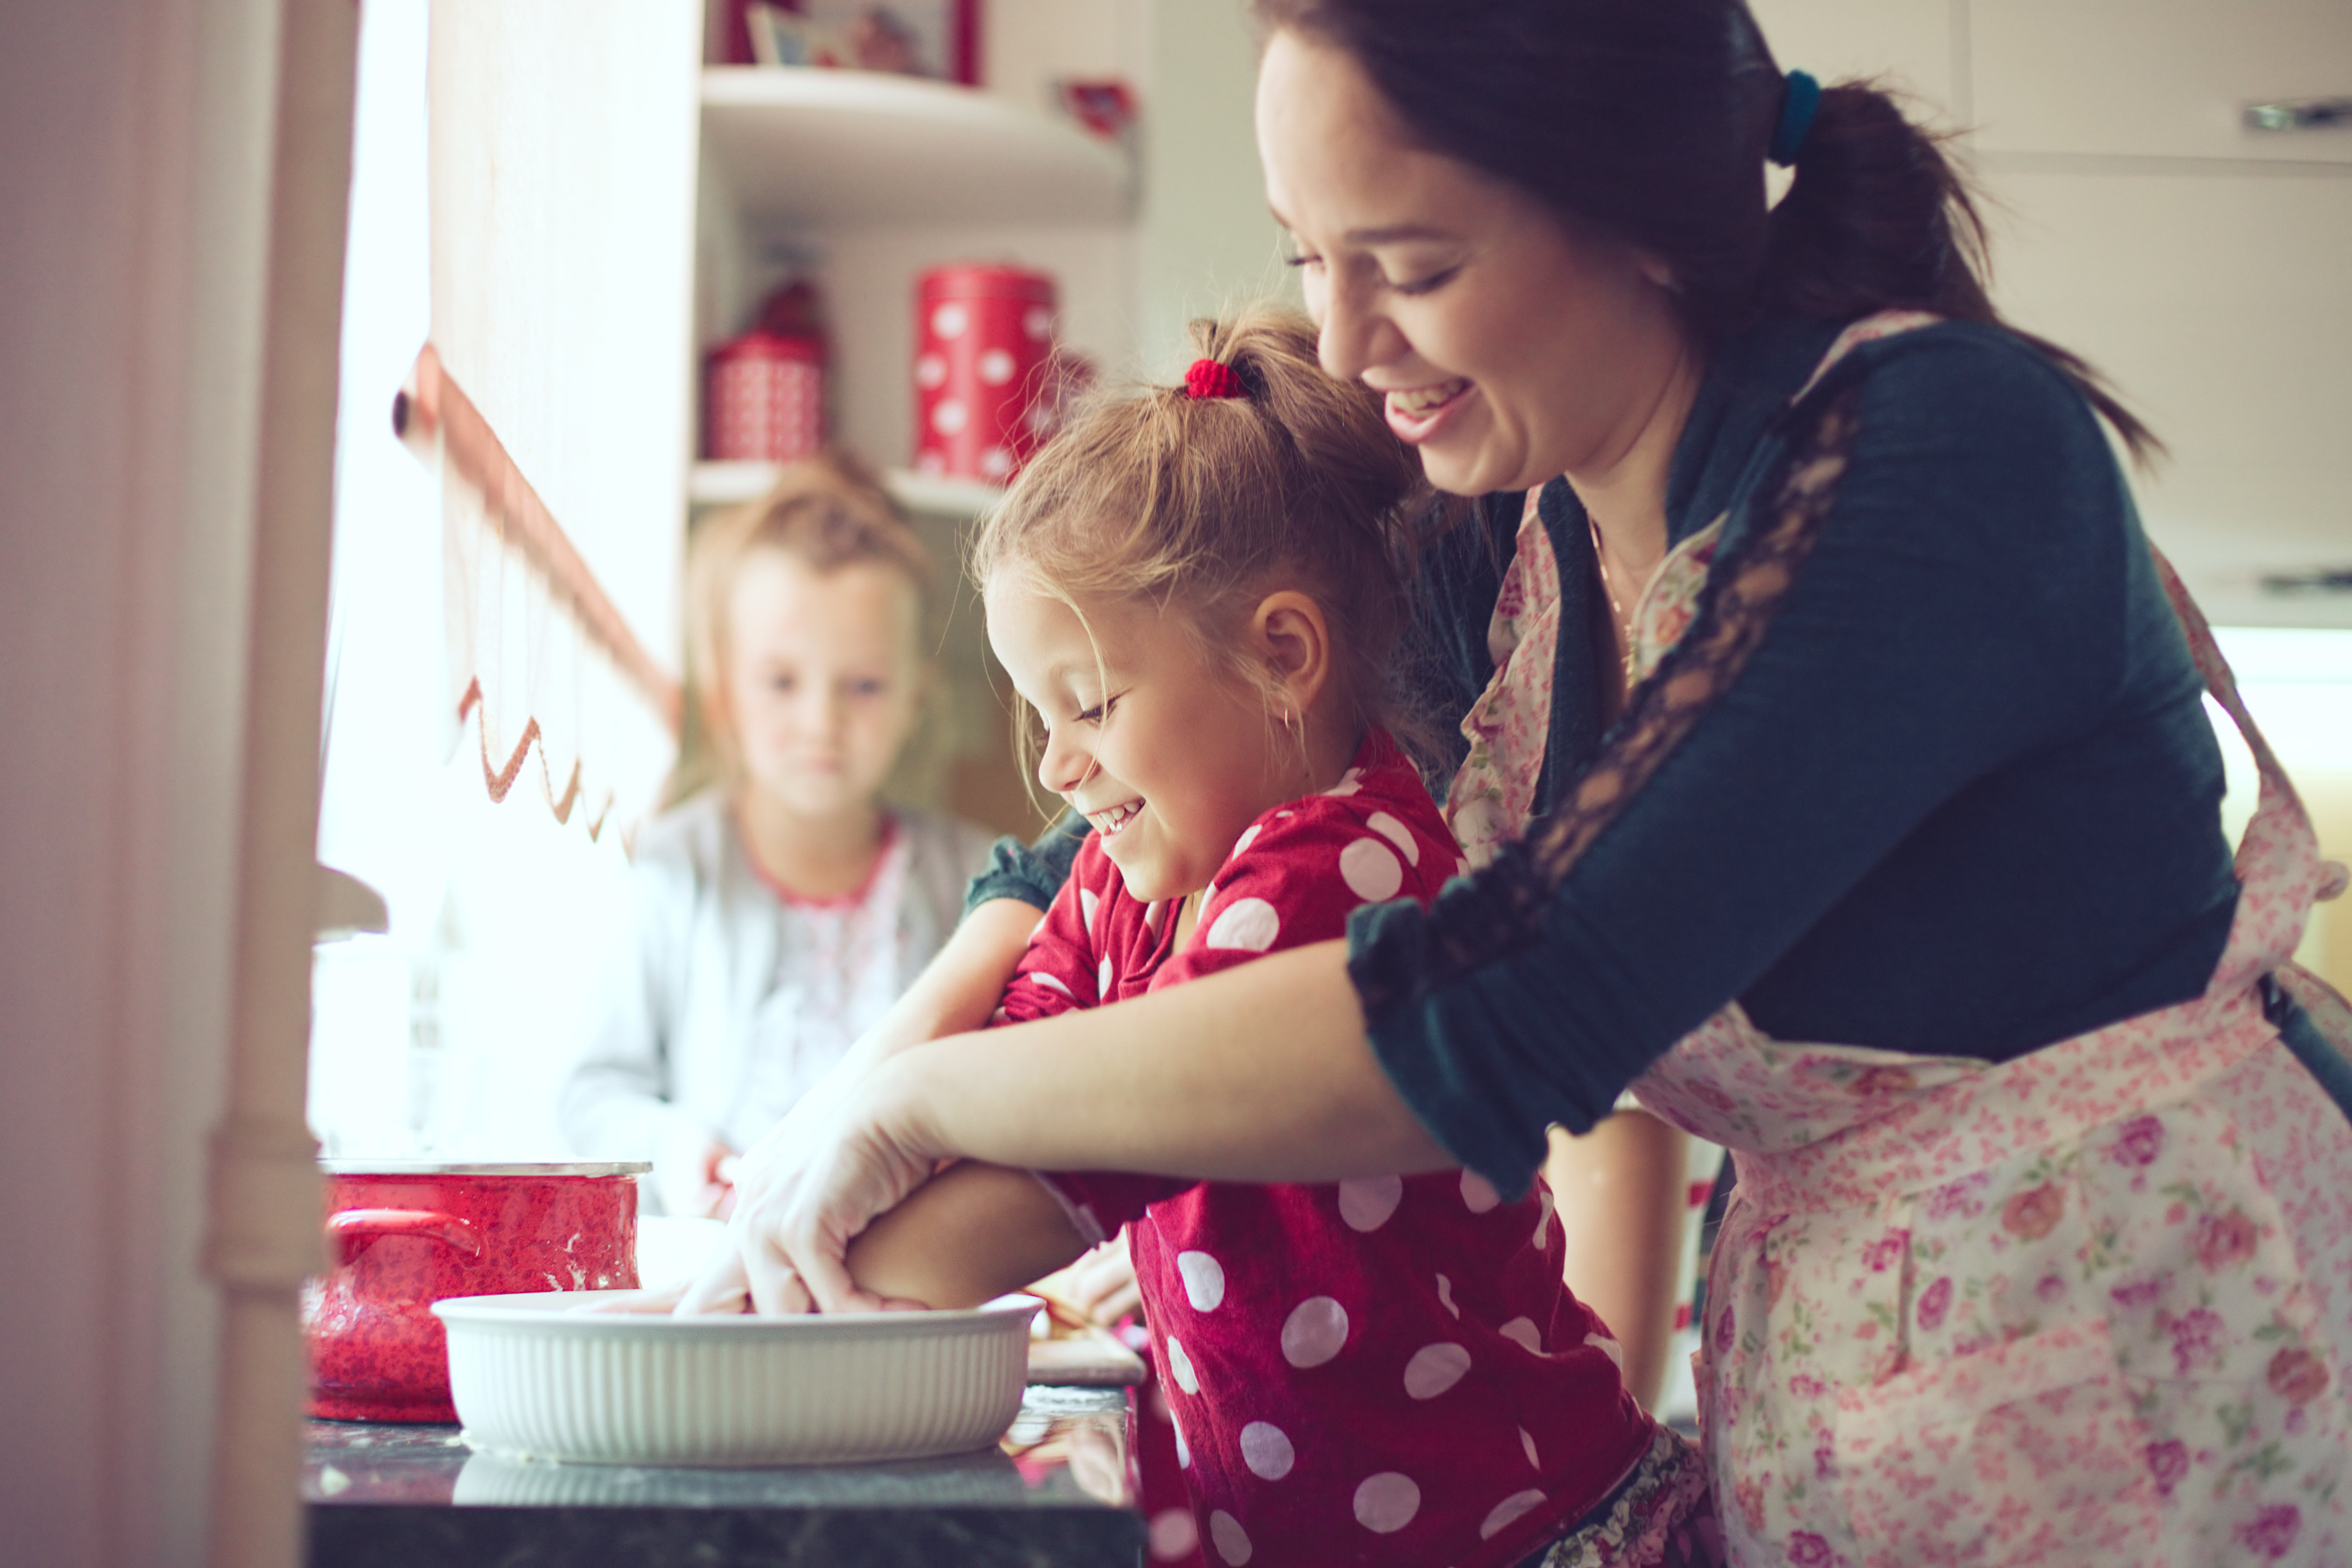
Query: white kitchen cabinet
[
  {"x": 2155, "y": 79},
  {"x": 2219, "y": 306},
  {"x": 1906, "y": 44},
  {"x": 2199, "y": 264}
]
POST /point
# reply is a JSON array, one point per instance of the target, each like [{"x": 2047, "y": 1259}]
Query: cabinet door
[
  {"x": 2162, "y": 79},
  {"x": 2217, "y": 305},
  {"x": 1908, "y": 43}
]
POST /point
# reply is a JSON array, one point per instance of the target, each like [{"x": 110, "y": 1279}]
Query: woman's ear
[{"x": 1291, "y": 636}]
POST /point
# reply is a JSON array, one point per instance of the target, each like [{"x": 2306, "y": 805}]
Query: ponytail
[{"x": 1878, "y": 218}]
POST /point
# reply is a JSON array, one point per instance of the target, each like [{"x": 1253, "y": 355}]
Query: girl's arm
[
  {"x": 1622, "y": 1194},
  {"x": 959, "y": 987},
  {"x": 967, "y": 1235}
]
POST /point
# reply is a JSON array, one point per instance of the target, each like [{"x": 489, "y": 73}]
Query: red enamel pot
[{"x": 401, "y": 1237}]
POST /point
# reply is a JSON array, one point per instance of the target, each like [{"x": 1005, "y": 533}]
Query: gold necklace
[{"x": 1622, "y": 628}]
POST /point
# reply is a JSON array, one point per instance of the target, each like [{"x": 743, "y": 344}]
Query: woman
[{"x": 1841, "y": 700}]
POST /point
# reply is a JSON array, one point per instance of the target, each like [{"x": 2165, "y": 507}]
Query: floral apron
[{"x": 2093, "y": 1304}]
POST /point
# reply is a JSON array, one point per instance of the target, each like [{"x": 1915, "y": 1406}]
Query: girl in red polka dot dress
[{"x": 1196, "y": 591}]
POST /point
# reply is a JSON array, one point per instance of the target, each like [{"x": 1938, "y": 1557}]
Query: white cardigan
[{"x": 736, "y": 1000}]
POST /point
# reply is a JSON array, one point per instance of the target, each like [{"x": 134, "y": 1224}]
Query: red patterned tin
[
  {"x": 765, "y": 399},
  {"x": 984, "y": 397},
  {"x": 406, "y": 1235}
]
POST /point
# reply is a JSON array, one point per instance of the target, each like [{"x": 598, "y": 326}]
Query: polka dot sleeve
[{"x": 1060, "y": 970}]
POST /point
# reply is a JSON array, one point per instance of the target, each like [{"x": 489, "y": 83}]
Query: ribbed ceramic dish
[{"x": 533, "y": 1375}]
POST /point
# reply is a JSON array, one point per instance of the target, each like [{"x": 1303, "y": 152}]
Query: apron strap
[{"x": 2280, "y": 872}]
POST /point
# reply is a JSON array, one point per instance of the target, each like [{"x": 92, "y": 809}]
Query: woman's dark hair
[{"x": 1648, "y": 120}]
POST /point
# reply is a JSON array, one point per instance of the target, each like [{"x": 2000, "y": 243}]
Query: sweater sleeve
[
  {"x": 1032, "y": 873},
  {"x": 1962, "y": 606}
]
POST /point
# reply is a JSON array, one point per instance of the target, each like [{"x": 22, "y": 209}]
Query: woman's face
[{"x": 1510, "y": 350}]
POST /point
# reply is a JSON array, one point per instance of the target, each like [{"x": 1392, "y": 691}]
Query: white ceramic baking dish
[{"x": 533, "y": 1375}]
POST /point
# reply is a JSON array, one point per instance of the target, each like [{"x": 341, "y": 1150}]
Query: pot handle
[{"x": 352, "y": 1229}]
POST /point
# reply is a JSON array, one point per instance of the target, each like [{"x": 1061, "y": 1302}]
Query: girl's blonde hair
[
  {"x": 1206, "y": 504},
  {"x": 827, "y": 512}
]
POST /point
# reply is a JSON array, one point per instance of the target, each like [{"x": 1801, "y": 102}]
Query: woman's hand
[{"x": 851, "y": 1149}]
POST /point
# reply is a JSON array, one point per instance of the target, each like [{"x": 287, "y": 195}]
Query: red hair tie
[{"x": 1209, "y": 378}]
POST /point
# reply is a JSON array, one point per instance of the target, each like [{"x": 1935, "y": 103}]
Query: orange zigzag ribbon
[{"x": 500, "y": 781}]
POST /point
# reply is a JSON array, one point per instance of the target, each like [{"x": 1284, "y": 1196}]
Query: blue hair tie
[{"x": 1797, "y": 105}]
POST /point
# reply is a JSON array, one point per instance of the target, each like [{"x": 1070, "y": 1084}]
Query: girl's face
[
  {"x": 1511, "y": 351},
  {"x": 1169, "y": 756},
  {"x": 825, "y": 678}
]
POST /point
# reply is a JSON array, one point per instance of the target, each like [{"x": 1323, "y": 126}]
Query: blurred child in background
[{"x": 781, "y": 904}]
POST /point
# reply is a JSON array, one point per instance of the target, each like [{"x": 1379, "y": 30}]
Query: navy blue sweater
[{"x": 1963, "y": 800}]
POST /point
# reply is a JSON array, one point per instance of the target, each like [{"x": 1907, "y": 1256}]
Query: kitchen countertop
[{"x": 1054, "y": 1493}]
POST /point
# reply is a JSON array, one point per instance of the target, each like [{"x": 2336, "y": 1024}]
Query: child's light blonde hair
[
  {"x": 827, "y": 512},
  {"x": 1206, "y": 504}
]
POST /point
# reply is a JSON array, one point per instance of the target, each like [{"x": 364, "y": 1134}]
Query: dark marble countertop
[{"x": 1054, "y": 1493}]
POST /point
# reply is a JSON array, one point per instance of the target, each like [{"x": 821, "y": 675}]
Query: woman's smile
[{"x": 1416, "y": 414}]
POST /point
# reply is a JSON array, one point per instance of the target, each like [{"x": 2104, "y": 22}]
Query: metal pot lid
[{"x": 433, "y": 1168}]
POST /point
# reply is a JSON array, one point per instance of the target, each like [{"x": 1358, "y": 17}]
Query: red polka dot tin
[
  {"x": 985, "y": 394},
  {"x": 402, "y": 1237},
  {"x": 764, "y": 400}
]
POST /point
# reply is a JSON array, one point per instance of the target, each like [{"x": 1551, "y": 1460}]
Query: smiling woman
[{"x": 1818, "y": 685}]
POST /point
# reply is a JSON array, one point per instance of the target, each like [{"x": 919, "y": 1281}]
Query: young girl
[
  {"x": 781, "y": 910},
  {"x": 1196, "y": 591}
]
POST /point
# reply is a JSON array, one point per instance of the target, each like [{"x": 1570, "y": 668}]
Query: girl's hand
[
  {"x": 1102, "y": 1283},
  {"x": 689, "y": 1177},
  {"x": 852, "y": 1148}
]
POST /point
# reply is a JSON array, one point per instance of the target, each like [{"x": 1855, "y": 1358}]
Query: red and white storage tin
[
  {"x": 766, "y": 399},
  {"x": 984, "y": 396}
]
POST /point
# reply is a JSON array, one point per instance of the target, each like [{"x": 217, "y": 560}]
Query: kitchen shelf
[
  {"x": 800, "y": 145},
  {"x": 729, "y": 484}
]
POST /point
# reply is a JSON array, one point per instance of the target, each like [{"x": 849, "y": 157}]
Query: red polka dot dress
[{"x": 1382, "y": 1371}]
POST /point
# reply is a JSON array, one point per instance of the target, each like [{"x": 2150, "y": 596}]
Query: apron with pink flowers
[{"x": 2093, "y": 1304}]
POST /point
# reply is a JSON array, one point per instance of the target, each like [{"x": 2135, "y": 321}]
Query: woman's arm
[
  {"x": 967, "y": 1235},
  {"x": 1258, "y": 1074}
]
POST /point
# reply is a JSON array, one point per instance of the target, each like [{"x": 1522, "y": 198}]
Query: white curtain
[
  {"x": 561, "y": 177},
  {"x": 521, "y": 211}
]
